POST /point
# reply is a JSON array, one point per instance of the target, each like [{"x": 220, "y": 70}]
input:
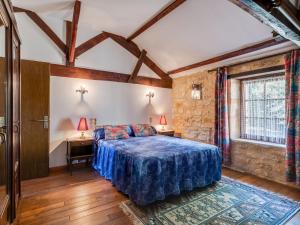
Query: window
[{"x": 263, "y": 109}]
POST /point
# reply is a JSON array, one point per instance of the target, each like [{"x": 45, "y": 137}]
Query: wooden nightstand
[
  {"x": 166, "y": 132},
  {"x": 78, "y": 149}
]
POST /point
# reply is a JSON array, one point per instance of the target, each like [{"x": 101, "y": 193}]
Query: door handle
[
  {"x": 39, "y": 120},
  {"x": 2, "y": 138},
  {"x": 45, "y": 121}
]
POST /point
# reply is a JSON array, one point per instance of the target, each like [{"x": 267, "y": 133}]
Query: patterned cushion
[
  {"x": 116, "y": 132},
  {"x": 142, "y": 130},
  {"x": 129, "y": 130}
]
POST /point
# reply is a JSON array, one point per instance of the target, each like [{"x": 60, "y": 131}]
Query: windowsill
[{"x": 268, "y": 144}]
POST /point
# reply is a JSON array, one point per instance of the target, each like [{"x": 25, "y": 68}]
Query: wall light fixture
[
  {"x": 150, "y": 95},
  {"x": 196, "y": 91},
  {"x": 82, "y": 90}
]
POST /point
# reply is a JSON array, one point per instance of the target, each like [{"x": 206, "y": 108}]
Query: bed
[{"x": 151, "y": 168}]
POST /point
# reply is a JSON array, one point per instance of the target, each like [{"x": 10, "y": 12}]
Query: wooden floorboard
[{"x": 87, "y": 199}]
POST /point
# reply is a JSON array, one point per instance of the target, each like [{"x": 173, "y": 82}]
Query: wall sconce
[
  {"x": 150, "y": 95},
  {"x": 196, "y": 91},
  {"x": 82, "y": 90}
]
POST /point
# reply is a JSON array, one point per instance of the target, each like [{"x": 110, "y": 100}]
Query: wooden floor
[{"x": 87, "y": 199}]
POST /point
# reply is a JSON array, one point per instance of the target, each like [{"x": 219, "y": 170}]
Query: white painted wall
[{"x": 109, "y": 102}]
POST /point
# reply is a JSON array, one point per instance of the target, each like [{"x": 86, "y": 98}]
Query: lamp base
[
  {"x": 163, "y": 128},
  {"x": 82, "y": 135}
]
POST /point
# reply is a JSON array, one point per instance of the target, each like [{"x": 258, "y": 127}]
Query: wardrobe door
[{"x": 4, "y": 197}]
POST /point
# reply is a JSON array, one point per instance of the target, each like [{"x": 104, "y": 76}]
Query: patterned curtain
[
  {"x": 221, "y": 126},
  {"x": 292, "y": 74}
]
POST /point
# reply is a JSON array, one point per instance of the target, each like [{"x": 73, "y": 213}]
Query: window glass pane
[
  {"x": 254, "y": 90},
  {"x": 254, "y": 108},
  {"x": 263, "y": 109},
  {"x": 275, "y": 88}
]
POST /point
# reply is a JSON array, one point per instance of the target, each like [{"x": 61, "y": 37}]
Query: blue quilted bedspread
[{"x": 151, "y": 168}]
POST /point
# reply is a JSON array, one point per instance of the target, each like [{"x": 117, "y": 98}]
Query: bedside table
[
  {"x": 166, "y": 132},
  {"x": 77, "y": 149}
]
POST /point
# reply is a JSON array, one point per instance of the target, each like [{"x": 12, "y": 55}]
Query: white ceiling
[{"x": 197, "y": 30}]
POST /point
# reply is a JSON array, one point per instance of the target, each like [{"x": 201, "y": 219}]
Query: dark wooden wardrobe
[{"x": 10, "y": 190}]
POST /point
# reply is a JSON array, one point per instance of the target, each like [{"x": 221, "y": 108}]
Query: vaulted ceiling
[{"x": 194, "y": 31}]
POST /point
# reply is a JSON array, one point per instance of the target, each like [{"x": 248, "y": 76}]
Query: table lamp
[
  {"x": 163, "y": 122},
  {"x": 82, "y": 126}
]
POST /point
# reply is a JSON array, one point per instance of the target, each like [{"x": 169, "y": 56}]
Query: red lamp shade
[
  {"x": 163, "y": 120},
  {"x": 82, "y": 126}
]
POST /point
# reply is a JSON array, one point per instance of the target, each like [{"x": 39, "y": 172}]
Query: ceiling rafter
[
  {"x": 68, "y": 40},
  {"x": 76, "y": 14},
  {"x": 242, "y": 51},
  {"x": 90, "y": 44},
  {"x": 272, "y": 13},
  {"x": 44, "y": 27},
  {"x": 291, "y": 7},
  {"x": 83, "y": 73},
  {"x": 128, "y": 45},
  {"x": 134, "y": 49},
  {"x": 169, "y": 8},
  {"x": 137, "y": 66}
]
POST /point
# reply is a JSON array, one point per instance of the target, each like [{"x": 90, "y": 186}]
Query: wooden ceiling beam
[
  {"x": 290, "y": 12},
  {"x": 242, "y": 51},
  {"x": 90, "y": 44},
  {"x": 76, "y": 72},
  {"x": 169, "y": 8},
  {"x": 274, "y": 14},
  {"x": 19, "y": 10},
  {"x": 134, "y": 49},
  {"x": 128, "y": 45},
  {"x": 291, "y": 7},
  {"x": 44, "y": 27},
  {"x": 76, "y": 14},
  {"x": 137, "y": 66},
  {"x": 156, "y": 69},
  {"x": 68, "y": 41}
]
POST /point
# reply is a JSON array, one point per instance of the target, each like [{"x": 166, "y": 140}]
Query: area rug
[{"x": 228, "y": 202}]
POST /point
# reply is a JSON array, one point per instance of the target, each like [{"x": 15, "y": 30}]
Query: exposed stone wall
[
  {"x": 195, "y": 119},
  {"x": 262, "y": 160}
]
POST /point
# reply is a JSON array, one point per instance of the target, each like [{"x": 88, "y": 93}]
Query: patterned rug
[{"x": 226, "y": 203}]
